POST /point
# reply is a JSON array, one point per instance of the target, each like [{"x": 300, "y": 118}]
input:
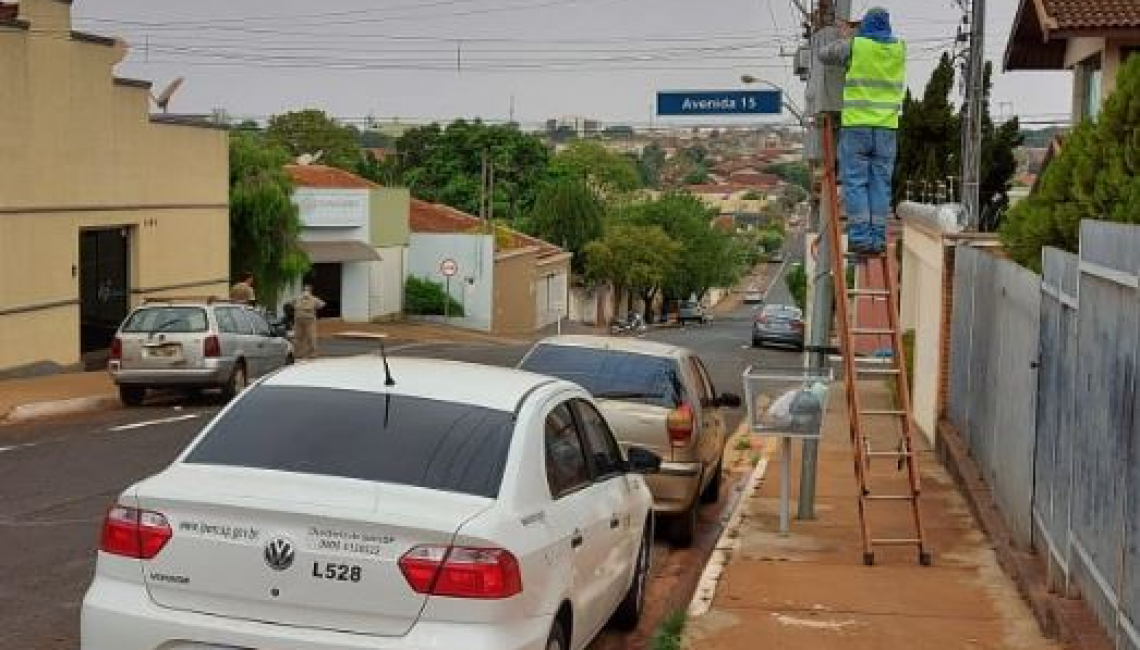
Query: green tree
[
  {"x": 999, "y": 145},
  {"x": 632, "y": 258},
  {"x": 1096, "y": 176},
  {"x": 264, "y": 224},
  {"x": 650, "y": 164},
  {"x": 425, "y": 297},
  {"x": 929, "y": 135},
  {"x": 445, "y": 165},
  {"x": 796, "y": 279},
  {"x": 311, "y": 130},
  {"x": 568, "y": 213},
  {"x": 795, "y": 173},
  {"x": 771, "y": 240},
  {"x": 603, "y": 170}
]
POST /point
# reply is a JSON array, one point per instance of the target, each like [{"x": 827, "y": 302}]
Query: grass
[{"x": 668, "y": 635}]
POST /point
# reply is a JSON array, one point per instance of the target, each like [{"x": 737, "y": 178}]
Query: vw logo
[{"x": 279, "y": 554}]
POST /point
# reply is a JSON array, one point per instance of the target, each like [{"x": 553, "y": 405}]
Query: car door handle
[
  {"x": 615, "y": 521},
  {"x": 577, "y": 539}
]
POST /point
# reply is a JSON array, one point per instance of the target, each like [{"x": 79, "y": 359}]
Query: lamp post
[{"x": 795, "y": 110}]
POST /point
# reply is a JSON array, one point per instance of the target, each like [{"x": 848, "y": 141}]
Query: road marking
[
  {"x": 18, "y": 447},
  {"x": 150, "y": 423}
]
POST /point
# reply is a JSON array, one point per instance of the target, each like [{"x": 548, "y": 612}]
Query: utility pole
[
  {"x": 825, "y": 89},
  {"x": 972, "y": 125}
]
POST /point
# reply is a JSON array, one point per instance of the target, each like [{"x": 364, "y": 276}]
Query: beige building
[
  {"x": 101, "y": 204},
  {"x": 1092, "y": 38}
]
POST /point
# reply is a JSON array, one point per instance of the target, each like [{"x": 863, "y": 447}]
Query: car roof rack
[{"x": 209, "y": 300}]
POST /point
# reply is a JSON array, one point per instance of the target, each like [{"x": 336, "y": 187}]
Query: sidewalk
[
  {"x": 61, "y": 394},
  {"x": 810, "y": 590}
]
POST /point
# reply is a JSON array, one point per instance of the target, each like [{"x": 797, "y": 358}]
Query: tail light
[
  {"x": 116, "y": 349},
  {"x": 798, "y": 325},
  {"x": 131, "y": 532},
  {"x": 212, "y": 347},
  {"x": 462, "y": 572},
  {"x": 680, "y": 425},
  {"x": 762, "y": 320}
]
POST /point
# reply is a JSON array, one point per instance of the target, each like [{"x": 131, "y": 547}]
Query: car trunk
[
  {"x": 160, "y": 351},
  {"x": 638, "y": 424},
  {"x": 230, "y": 526}
]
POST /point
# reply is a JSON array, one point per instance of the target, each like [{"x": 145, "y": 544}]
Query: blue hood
[{"x": 876, "y": 26}]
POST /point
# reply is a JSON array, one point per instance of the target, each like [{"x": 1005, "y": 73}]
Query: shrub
[
  {"x": 423, "y": 297},
  {"x": 796, "y": 279}
]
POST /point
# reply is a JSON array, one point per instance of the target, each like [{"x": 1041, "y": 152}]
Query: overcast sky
[{"x": 441, "y": 59}]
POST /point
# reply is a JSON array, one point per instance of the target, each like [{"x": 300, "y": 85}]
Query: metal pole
[
  {"x": 447, "y": 297},
  {"x": 972, "y": 126},
  {"x": 785, "y": 481}
]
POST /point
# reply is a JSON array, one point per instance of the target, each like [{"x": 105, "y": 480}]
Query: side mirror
[
  {"x": 643, "y": 461},
  {"x": 277, "y": 329},
  {"x": 730, "y": 400}
]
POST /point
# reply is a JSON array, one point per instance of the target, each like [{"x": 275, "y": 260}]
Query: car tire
[
  {"x": 711, "y": 493},
  {"x": 557, "y": 639},
  {"x": 289, "y": 360},
  {"x": 132, "y": 395},
  {"x": 237, "y": 382},
  {"x": 628, "y": 613},
  {"x": 684, "y": 526}
]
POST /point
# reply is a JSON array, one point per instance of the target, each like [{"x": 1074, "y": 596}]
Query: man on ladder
[{"x": 868, "y": 144}]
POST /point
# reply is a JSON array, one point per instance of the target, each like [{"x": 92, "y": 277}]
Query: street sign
[
  {"x": 448, "y": 267},
  {"x": 719, "y": 102}
]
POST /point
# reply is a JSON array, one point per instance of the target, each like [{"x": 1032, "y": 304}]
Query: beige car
[{"x": 656, "y": 396}]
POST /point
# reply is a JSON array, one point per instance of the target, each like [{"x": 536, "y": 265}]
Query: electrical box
[{"x": 803, "y": 63}]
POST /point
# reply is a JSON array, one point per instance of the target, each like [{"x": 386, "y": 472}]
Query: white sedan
[{"x": 462, "y": 507}]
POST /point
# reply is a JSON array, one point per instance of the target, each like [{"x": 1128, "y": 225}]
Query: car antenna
[{"x": 388, "y": 381}]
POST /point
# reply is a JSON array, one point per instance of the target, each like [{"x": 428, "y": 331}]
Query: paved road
[{"x": 57, "y": 478}]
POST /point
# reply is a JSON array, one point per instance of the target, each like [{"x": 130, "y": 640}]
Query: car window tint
[
  {"x": 566, "y": 468},
  {"x": 603, "y": 451},
  {"x": 395, "y": 439},
  {"x": 260, "y": 327},
  {"x": 166, "y": 319},
  {"x": 611, "y": 374}
]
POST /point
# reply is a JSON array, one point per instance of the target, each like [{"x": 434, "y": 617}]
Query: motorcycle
[{"x": 632, "y": 324}]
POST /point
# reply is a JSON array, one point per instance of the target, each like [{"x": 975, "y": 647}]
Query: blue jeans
[{"x": 867, "y": 164}]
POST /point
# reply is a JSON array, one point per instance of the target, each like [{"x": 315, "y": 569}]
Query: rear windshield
[
  {"x": 389, "y": 439},
  {"x": 166, "y": 319},
  {"x": 611, "y": 374}
]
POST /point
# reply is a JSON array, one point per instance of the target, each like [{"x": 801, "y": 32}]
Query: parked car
[
  {"x": 753, "y": 296},
  {"x": 454, "y": 506},
  {"x": 692, "y": 311},
  {"x": 779, "y": 325},
  {"x": 658, "y": 397},
  {"x": 194, "y": 344}
]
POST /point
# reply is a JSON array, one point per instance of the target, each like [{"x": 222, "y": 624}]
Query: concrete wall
[
  {"x": 386, "y": 294},
  {"x": 473, "y": 285},
  {"x": 515, "y": 292},
  {"x": 80, "y": 151},
  {"x": 389, "y": 213},
  {"x": 551, "y": 291},
  {"x": 921, "y": 308}
]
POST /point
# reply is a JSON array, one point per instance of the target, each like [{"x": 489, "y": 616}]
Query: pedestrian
[
  {"x": 873, "y": 93},
  {"x": 242, "y": 291},
  {"x": 305, "y": 308}
]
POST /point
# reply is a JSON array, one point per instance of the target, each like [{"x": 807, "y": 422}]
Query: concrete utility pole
[
  {"x": 825, "y": 88},
  {"x": 972, "y": 125}
]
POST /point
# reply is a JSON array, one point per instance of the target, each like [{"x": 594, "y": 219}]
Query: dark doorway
[
  {"x": 326, "y": 281},
  {"x": 104, "y": 288}
]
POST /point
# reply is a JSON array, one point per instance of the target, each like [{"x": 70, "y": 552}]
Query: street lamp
[{"x": 795, "y": 110}]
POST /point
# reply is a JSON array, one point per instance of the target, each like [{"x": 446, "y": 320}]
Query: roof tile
[
  {"x": 1093, "y": 14},
  {"x": 322, "y": 176}
]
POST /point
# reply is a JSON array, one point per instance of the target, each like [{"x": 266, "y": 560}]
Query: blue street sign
[{"x": 719, "y": 102}]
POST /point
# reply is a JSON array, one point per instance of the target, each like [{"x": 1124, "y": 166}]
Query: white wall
[
  {"x": 473, "y": 285},
  {"x": 550, "y": 307},
  {"x": 386, "y": 294}
]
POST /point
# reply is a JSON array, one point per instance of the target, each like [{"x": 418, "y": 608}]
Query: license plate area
[{"x": 166, "y": 351}]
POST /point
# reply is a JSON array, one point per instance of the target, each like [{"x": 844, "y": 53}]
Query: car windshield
[
  {"x": 166, "y": 319},
  {"x": 611, "y": 374},
  {"x": 395, "y": 439}
]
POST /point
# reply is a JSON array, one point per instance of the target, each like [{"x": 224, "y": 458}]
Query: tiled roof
[
  {"x": 437, "y": 218},
  {"x": 1091, "y": 14},
  {"x": 322, "y": 176}
]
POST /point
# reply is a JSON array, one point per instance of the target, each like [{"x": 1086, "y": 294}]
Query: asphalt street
[{"x": 57, "y": 477}]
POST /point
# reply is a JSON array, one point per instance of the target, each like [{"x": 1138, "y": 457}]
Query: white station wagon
[{"x": 336, "y": 506}]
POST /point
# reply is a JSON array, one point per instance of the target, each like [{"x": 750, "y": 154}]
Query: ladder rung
[
  {"x": 870, "y": 331},
  {"x": 883, "y": 454},
  {"x": 877, "y": 371},
  {"x": 883, "y": 412},
  {"x": 896, "y": 542},
  {"x": 890, "y": 497},
  {"x": 883, "y": 293}
]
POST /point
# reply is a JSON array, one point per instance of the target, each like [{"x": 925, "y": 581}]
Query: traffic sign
[
  {"x": 719, "y": 102},
  {"x": 449, "y": 267}
]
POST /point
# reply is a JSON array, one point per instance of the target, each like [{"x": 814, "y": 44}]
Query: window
[
  {"x": 603, "y": 449},
  {"x": 227, "y": 321},
  {"x": 1089, "y": 79},
  {"x": 566, "y": 469},
  {"x": 611, "y": 374},
  {"x": 260, "y": 327},
  {"x": 166, "y": 319},
  {"x": 394, "y": 439}
]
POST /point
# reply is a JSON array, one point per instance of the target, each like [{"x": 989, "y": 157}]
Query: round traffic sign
[{"x": 449, "y": 267}]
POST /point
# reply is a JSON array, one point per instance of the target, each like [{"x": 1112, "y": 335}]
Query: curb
[
  {"x": 54, "y": 408},
  {"x": 1069, "y": 620},
  {"x": 726, "y": 544}
]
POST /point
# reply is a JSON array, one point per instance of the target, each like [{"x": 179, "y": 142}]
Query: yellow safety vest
[{"x": 876, "y": 84}]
